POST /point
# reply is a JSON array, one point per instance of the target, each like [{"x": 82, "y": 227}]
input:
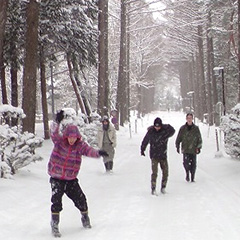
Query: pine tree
[{"x": 231, "y": 127}]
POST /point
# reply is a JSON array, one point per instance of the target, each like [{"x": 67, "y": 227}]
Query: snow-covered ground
[{"x": 120, "y": 205}]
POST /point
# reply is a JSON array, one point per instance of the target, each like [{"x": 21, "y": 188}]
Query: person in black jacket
[{"x": 157, "y": 136}]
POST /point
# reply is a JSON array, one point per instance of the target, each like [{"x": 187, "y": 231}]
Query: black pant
[
  {"x": 190, "y": 164},
  {"x": 72, "y": 190}
]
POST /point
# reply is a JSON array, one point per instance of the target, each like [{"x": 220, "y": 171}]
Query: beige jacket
[{"x": 111, "y": 134}]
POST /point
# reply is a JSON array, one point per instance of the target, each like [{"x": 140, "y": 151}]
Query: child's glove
[
  {"x": 198, "y": 150},
  {"x": 103, "y": 153},
  {"x": 59, "y": 116}
]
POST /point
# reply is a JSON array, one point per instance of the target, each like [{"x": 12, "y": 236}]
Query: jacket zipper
[{"x": 65, "y": 162}]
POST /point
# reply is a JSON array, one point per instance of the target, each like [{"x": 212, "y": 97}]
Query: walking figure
[
  {"x": 157, "y": 136},
  {"x": 107, "y": 141},
  {"x": 189, "y": 137}
]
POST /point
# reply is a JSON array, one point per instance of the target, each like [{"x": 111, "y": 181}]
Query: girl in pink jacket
[{"x": 63, "y": 168}]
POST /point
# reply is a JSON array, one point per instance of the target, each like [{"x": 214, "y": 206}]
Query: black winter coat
[{"x": 158, "y": 141}]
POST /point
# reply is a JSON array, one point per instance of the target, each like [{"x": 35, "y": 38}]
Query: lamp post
[
  {"x": 220, "y": 71},
  {"x": 191, "y": 97}
]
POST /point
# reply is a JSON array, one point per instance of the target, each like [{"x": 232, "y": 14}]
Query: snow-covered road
[{"x": 120, "y": 205}]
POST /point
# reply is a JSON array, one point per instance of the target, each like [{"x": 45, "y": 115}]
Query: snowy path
[{"x": 121, "y": 206}]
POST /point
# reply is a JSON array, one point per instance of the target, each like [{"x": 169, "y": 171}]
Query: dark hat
[{"x": 157, "y": 122}]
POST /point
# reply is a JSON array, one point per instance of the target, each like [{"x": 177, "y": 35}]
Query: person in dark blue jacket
[{"x": 157, "y": 136}]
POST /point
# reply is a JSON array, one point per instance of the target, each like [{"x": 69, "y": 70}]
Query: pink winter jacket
[{"x": 65, "y": 160}]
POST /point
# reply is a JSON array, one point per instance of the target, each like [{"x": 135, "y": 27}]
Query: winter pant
[
  {"x": 164, "y": 168},
  {"x": 190, "y": 164},
  {"x": 108, "y": 160},
  {"x": 111, "y": 152},
  {"x": 108, "y": 165},
  {"x": 72, "y": 189}
]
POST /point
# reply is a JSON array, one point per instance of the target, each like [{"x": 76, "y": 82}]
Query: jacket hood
[{"x": 71, "y": 131}]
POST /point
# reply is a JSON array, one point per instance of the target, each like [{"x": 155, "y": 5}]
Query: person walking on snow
[
  {"x": 157, "y": 136},
  {"x": 106, "y": 139},
  {"x": 189, "y": 137},
  {"x": 63, "y": 168}
]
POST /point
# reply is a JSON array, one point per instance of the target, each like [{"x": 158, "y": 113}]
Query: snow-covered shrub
[
  {"x": 87, "y": 130},
  {"x": 17, "y": 149},
  {"x": 9, "y": 113},
  {"x": 5, "y": 170},
  {"x": 231, "y": 127}
]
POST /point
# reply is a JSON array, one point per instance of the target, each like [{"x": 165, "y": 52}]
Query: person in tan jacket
[{"x": 106, "y": 138}]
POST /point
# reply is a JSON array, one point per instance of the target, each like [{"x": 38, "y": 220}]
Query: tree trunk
[
  {"x": 128, "y": 66},
  {"x": 183, "y": 69},
  {"x": 213, "y": 77},
  {"x": 76, "y": 90},
  {"x": 238, "y": 50},
  {"x": 14, "y": 87},
  {"x": 3, "y": 19},
  {"x": 121, "y": 88},
  {"x": 103, "y": 80},
  {"x": 30, "y": 67},
  {"x": 14, "y": 83},
  {"x": 44, "y": 94},
  {"x": 140, "y": 89},
  {"x": 209, "y": 73},
  {"x": 191, "y": 76},
  {"x": 86, "y": 103},
  {"x": 198, "y": 112},
  {"x": 203, "y": 106},
  {"x": 191, "y": 86}
]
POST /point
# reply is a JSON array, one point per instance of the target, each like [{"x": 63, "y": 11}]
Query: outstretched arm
[{"x": 88, "y": 151}]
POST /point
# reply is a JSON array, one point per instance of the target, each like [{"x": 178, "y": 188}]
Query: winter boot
[
  {"x": 153, "y": 187},
  {"x": 154, "y": 191},
  {"x": 163, "y": 190},
  {"x": 54, "y": 225},
  {"x": 85, "y": 220},
  {"x": 193, "y": 177},
  {"x": 187, "y": 176}
]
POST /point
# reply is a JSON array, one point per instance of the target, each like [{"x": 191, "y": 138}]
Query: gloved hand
[
  {"x": 59, "y": 116},
  {"x": 198, "y": 150},
  {"x": 178, "y": 150},
  {"x": 103, "y": 153},
  {"x": 142, "y": 153}
]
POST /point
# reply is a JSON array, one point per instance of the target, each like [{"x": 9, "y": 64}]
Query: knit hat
[
  {"x": 105, "y": 118},
  {"x": 157, "y": 122},
  {"x": 71, "y": 131}
]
